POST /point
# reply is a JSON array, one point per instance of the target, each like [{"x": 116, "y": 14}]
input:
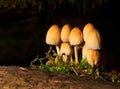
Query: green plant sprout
[{"x": 85, "y": 66}]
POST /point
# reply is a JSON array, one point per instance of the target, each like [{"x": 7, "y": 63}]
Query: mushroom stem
[
  {"x": 57, "y": 49},
  {"x": 76, "y": 55},
  {"x": 71, "y": 59}
]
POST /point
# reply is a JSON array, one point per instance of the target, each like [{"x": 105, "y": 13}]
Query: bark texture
[{"x": 15, "y": 77}]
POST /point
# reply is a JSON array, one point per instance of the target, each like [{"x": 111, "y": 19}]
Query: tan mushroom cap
[
  {"x": 53, "y": 35},
  {"x": 65, "y": 31},
  {"x": 66, "y": 52},
  {"x": 84, "y": 51},
  {"x": 93, "y": 40},
  {"x": 93, "y": 57},
  {"x": 88, "y": 27},
  {"x": 76, "y": 36},
  {"x": 65, "y": 48}
]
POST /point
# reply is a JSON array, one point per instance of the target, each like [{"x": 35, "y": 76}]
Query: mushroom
[
  {"x": 65, "y": 31},
  {"x": 53, "y": 36},
  {"x": 88, "y": 27},
  {"x": 76, "y": 39},
  {"x": 93, "y": 57},
  {"x": 66, "y": 51},
  {"x": 93, "y": 45},
  {"x": 93, "y": 40}
]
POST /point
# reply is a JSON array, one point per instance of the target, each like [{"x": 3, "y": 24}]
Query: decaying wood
[{"x": 15, "y": 77}]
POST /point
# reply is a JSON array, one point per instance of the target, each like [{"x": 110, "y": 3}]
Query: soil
[{"x": 16, "y": 77}]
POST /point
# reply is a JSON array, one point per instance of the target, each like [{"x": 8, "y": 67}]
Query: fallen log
[{"x": 15, "y": 77}]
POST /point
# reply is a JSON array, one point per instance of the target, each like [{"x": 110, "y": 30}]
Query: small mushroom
[
  {"x": 66, "y": 51},
  {"x": 53, "y": 36},
  {"x": 65, "y": 31},
  {"x": 76, "y": 39},
  {"x": 93, "y": 40},
  {"x": 88, "y": 27}
]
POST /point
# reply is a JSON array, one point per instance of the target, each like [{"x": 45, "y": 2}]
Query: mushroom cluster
[
  {"x": 92, "y": 46},
  {"x": 67, "y": 41}
]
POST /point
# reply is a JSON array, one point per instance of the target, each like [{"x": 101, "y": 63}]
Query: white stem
[
  {"x": 76, "y": 55},
  {"x": 57, "y": 49}
]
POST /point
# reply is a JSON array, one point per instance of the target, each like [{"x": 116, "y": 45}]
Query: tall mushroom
[
  {"x": 66, "y": 51},
  {"x": 93, "y": 43},
  {"x": 53, "y": 36},
  {"x": 75, "y": 39},
  {"x": 65, "y": 31},
  {"x": 88, "y": 27}
]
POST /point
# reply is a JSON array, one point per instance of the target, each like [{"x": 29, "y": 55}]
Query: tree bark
[{"x": 15, "y": 77}]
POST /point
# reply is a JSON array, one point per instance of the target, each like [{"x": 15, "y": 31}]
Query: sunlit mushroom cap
[
  {"x": 65, "y": 48},
  {"x": 84, "y": 51},
  {"x": 93, "y": 40},
  {"x": 88, "y": 27},
  {"x": 65, "y": 31},
  {"x": 93, "y": 57},
  {"x": 53, "y": 35},
  {"x": 76, "y": 36}
]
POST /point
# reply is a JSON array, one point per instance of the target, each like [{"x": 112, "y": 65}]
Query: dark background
[{"x": 23, "y": 31}]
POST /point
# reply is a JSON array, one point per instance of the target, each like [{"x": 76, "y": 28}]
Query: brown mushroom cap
[
  {"x": 65, "y": 31},
  {"x": 53, "y": 35},
  {"x": 93, "y": 57},
  {"x": 93, "y": 40},
  {"x": 88, "y": 27},
  {"x": 76, "y": 36}
]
